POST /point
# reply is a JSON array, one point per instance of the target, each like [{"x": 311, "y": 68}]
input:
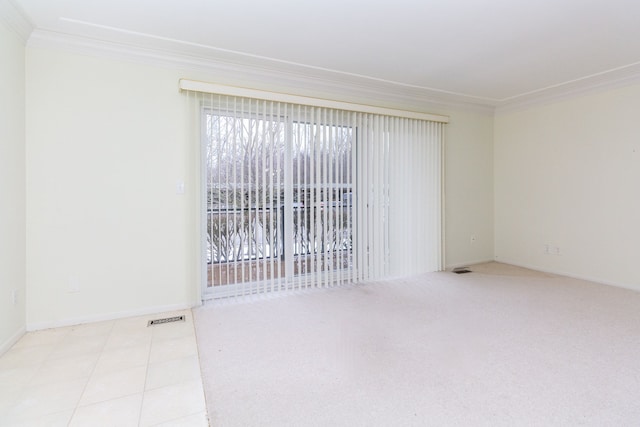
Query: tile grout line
[
  {"x": 204, "y": 392},
  {"x": 144, "y": 392},
  {"x": 198, "y": 379},
  {"x": 84, "y": 389},
  {"x": 109, "y": 333},
  {"x": 37, "y": 366},
  {"x": 181, "y": 417},
  {"x": 146, "y": 376}
]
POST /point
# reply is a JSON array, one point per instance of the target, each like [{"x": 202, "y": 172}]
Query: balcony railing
[{"x": 236, "y": 235}]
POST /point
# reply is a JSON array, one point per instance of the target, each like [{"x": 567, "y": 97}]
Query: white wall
[
  {"x": 469, "y": 189},
  {"x": 12, "y": 187},
  {"x": 567, "y": 175},
  {"x": 106, "y": 144},
  {"x": 107, "y": 141}
]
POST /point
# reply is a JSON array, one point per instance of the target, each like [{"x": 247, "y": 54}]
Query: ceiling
[{"x": 491, "y": 52}]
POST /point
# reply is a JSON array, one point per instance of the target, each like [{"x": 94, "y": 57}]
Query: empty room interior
[{"x": 339, "y": 213}]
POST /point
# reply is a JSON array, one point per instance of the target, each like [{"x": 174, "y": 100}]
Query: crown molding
[
  {"x": 608, "y": 80},
  {"x": 15, "y": 19},
  {"x": 259, "y": 73},
  {"x": 234, "y": 69}
]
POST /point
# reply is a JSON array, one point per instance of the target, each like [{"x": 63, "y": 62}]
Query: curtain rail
[{"x": 204, "y": 87}]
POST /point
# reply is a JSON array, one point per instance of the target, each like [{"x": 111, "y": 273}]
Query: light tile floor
[{"x": 114, "y": 373}]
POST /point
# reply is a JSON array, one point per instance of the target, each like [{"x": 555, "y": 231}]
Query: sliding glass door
[
  {"x": 296, "y": 196},
  {"x": 278, "y": 198}
]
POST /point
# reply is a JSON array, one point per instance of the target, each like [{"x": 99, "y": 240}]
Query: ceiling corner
[{"x": 15, "y": 18}]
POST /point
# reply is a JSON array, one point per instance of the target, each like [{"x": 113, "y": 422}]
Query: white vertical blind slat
[
  {"x": 377, "y": 179},
  {"x": 264, "y": 188},
  {"x": 286, "y": 226},
  {"x": 241, "y": 202},
  {"x": 360, "y": 199}
]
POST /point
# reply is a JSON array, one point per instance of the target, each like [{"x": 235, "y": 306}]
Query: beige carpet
[{"x": 498, "y": 346}]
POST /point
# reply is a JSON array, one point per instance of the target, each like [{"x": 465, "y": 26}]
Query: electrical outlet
[
  {"x": 74, "y": 285},
  {"x": 551, "y": 249},
  {"x": 473, "y": 239}
]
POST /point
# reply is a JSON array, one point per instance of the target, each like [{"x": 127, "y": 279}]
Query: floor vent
[
  {"x": 461, "y": 270},
  {"x": 165, "y": 320}
]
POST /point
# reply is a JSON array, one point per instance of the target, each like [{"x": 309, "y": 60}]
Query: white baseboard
[
  {"x": 571, "y": 275},
  {"x": 5, "y": 346},
  {"x": 36, "y": 326}
]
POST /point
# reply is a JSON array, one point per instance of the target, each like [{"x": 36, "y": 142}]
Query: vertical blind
[{"x": 300, "y": 196}]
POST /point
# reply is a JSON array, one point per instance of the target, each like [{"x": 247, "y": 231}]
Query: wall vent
[{"x": 165, "y": 320}]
